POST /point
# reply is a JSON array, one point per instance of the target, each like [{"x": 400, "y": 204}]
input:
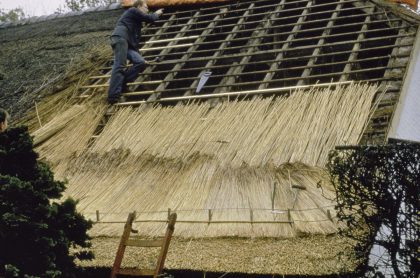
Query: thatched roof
[
  {"x": 241, "y": 161},
  {"x": 313, "y": 256},
  {"x": 233, "y": 171}
]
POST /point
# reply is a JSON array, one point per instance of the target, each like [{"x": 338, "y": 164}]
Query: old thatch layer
[
  {"x": 224, "y": 170},
  {"x": 50, "y": 58},
  {"x": 312, "y": 256},
  {"x": 55, "y": 106}
]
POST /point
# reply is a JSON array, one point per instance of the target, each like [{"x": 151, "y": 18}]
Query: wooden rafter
[{"x": 262, "y": 44}]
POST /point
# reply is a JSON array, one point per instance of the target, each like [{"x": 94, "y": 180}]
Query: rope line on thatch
[
  {"x": 213, "y": 209},
  {"x": 207, "y": 222},
  {"x": 100, "y": 189},
  {"x": 214, "y": 222},
  {"x": 217, "y": 222}
]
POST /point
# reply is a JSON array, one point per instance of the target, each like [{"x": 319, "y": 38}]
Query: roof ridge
[
  {"x": 35, "y": 19},
  {"x": 402, "y": 10}
]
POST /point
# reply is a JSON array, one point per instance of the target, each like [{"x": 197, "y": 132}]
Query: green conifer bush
[{"x": 37, "y": 230}]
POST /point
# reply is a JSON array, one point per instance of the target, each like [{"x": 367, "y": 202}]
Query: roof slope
[
  {"x": 223, "y": 170},
  {"x": 262, "y": 45},
  {"x": 245, "y": 255},
  {"x": 250, "y": 167},
  {"x": 35, "y": 58}
]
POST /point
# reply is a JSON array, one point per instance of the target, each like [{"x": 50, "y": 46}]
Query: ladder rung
[
  {"x": 144, "y": 243},
  {"x": 129, "y": 84},
  {"x": 170, "y": 40},
  {"x": 166, "y": 47},
  {"x": 100, "y": 76},
  {"x": 84, "y": 96},
  {"x": 139, "y": 93},
  {"x": 136, "y": 272},
  {"x": 128, "y": 103}
]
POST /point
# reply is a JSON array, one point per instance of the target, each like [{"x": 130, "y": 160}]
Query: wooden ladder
[{"x": 126, "y": 241}]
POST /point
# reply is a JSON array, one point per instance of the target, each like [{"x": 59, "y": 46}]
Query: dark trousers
[{"x": 120, "y": 76}]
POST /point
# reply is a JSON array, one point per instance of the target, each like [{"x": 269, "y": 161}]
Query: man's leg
[
  {"x": 138, "y": 65},
  {"x": 120, "y": 47}
]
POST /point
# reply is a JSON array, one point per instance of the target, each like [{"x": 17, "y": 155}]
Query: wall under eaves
[{"x": 406, "y": 121}]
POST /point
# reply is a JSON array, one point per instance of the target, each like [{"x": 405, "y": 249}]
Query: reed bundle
[
  {"x": 210, "y": 200},
  {"x": 64, "y": 92},
  {"x": 300, "y": 128},
  {"x": 73, "y": 129}
]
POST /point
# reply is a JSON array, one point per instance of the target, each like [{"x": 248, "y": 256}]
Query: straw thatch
[
  {"x": 300, "y": 128},
  {"x": 226, "y": 170},
  {"x": 75, "y": 126},
  {"x": 310, "y": 256},
  {"x": 52, "y": 107},
  {"x": 210, "y": 200},
  {"x": 241, "y": 169}
]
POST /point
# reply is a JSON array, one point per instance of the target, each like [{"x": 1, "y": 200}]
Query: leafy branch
[{"x": 378, "y": 188}]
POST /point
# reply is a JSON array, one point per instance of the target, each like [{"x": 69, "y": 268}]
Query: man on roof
[{"x": 124, "y": 42}]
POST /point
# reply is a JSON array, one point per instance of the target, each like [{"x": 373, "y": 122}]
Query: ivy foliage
[
  {"x": 36, "y": 231},
  {"x": 378, "y": 188}
]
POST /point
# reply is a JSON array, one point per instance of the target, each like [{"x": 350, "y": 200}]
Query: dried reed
[
  {"x": 63, "y": 94},
  {"x": 299, "y": 128},
  {"x": 211, "y": 200},
  {"x": 318, "y": 256},
  {"x": 243, "y": 168}
]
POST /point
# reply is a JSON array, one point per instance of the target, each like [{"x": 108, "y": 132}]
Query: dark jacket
[{"x": 130, "y": 23}]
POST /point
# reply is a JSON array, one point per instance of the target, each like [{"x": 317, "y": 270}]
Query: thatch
[
  {"x": 44, "y": 59},
  {"x": 74, "y": 126},
  {"x": 231, "y": 171},
  {"x": 245, "y": 202},
  {"x": 226, "y": 171},
  {"x": 300, "y": 128},
  {"x": 53, "y": 109},
  {"x": 309, "y": 256}
]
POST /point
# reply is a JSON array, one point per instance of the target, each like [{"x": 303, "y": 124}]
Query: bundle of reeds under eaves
[{"x": 73, "y": 128}]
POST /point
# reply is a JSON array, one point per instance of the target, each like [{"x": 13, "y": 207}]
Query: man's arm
[{"x": 149, "y": 18}]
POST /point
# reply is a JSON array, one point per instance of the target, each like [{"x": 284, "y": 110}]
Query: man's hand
[
  {"x": 159, "y": 12},
  {"x": 154, "y": 61}
]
